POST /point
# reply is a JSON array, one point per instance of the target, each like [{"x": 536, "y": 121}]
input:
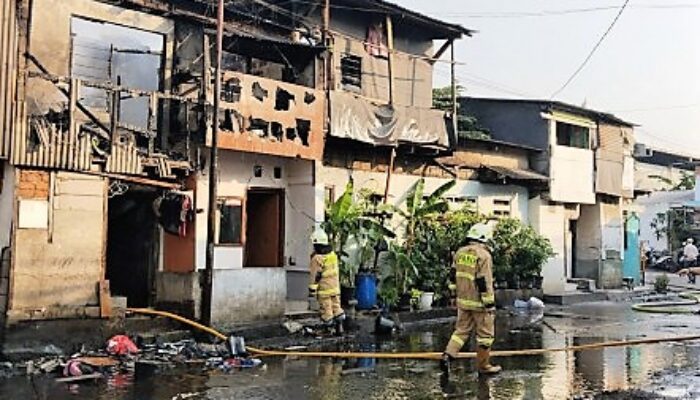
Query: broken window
[
  {"x": 259, "y": 92},
  {"x": 230, "y": 221},
  {"x": 231, "y": 90},
  {"x": 351, "y": 72},
  {"x": 573, "y": 135},
  {"x": 120, "y": 55}
]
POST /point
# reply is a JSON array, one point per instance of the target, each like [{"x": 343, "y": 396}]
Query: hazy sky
[{"x": 646, "y": 71}]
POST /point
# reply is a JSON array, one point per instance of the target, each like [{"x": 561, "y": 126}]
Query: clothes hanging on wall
[
  {"x": 376, "y": 43},
  {"x": 174, "y": 211}
]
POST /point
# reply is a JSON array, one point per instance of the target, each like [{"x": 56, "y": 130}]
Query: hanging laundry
[
  {"x": 376, "y": 43},
  {"x": 174, "y": 211}
]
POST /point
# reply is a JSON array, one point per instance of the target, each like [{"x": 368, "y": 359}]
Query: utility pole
[{"x": 207, "y": 280}]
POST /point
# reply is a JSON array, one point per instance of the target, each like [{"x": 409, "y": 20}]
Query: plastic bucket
[
  {"x": 426, "y": 300},
  {"x": 366, "y": 291}
]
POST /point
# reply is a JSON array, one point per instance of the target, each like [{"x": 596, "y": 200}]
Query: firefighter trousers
[
  {"x": 330, "y": 308},
  {"x": 467, "y": 321}
]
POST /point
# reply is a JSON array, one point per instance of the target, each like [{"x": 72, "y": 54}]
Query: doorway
[
  {"x": 133, "y": 245},
  {"x": 264, "y": 246}
]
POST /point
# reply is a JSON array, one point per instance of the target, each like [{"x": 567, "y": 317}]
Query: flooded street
[{"x": 667, "y": 370}]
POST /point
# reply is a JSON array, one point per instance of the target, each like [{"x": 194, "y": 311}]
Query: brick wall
[{"x": 33, "y": 184}]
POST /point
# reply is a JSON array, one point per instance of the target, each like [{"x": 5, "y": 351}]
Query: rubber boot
[
  {"x": 445, "y": 362},
  {"x": 483, "y": 362},
  {"x": 339, "y": 328}
]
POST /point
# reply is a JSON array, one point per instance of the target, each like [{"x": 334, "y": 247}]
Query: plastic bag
[
  {"x": 121, "y": 345},
  {"x": 535, "y": 303},
  {"x": 521, "y": 304}
]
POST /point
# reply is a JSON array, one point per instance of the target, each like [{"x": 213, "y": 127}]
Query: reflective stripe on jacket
[
  {"x": 471, "y": 263},
  {"x": 327, "y": 266}
]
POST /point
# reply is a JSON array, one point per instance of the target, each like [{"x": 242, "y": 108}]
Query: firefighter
[
  {"x": 324, "y": 282},
  {"x": 475, "y": 299}
]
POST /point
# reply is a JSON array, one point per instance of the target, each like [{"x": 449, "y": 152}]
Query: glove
[{"x": 313, "y": 290}]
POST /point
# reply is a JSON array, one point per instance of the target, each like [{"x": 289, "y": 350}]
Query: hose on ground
[
  {"x": 413, "y": 355},
  {"x": 671, "y": 307}
]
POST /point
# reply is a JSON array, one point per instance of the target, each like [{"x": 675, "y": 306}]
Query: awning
[
  {"x": 515, "y": 174},
  {"x": 356, "y": 118}
]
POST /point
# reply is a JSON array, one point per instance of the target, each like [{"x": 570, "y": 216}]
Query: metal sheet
[
  {"x": 8, "y": 72},
  {"x": 359, "y": 119}
]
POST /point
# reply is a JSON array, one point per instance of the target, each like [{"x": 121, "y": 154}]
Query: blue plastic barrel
[{"x": 366, "y": 291}]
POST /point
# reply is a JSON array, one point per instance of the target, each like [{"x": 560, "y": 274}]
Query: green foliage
[
  {"x": 661, "y": 284},
  {"x": 467, "y": 126},
  {"x": 687, "y": 181},
  {"x": 354, "y": 229},
  {"x": 676, "y": 224},
  {"x": 518, "y": 250}
]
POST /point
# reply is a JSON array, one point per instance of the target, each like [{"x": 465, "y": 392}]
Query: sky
[{"x": 646, "y": 71}]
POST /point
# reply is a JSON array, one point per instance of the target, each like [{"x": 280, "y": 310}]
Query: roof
[
  {"x": 449, "y": 30},
  {"x": 516, "y": 173},
  {"x": 502, "y": 143},
  {"x": 553, "y": 104},
  {"x": 668, "y": 159}
]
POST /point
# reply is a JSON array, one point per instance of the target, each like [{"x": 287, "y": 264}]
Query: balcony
[{"x": 262, "y": 115}]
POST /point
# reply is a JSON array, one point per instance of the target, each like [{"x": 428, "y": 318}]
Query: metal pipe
[{"x": 207, "y": 278}]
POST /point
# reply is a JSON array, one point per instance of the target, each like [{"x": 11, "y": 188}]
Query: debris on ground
[
  {"x": 121, "y": 345},
  {"x": 533, "y": 303},
  {"x": 292, "y": 326}
]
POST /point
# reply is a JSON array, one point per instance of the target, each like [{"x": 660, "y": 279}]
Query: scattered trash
[
  {"x": 384, "y": 325},
  {"x": 292, "y": 326},
  {"x": 121, "y": 345},
  {"x": 75, "y": 367},
  {"x": 239, "y": 362},
  {"x": 185, "y": 396},
  {"x": 533, "y": 303},
  {"x": 353, "y": 371},
  {"x": 296, "y": 348},
  {"x": 237, "y": 346}
]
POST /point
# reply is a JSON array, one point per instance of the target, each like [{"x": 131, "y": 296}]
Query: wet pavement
[{"x": 652, "y": 371}]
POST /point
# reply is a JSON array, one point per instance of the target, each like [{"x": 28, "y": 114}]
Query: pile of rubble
[{"x": 121, "y": 355}]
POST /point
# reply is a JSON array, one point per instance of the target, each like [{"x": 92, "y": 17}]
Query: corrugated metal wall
[
  {"x": 124, "y": 159},
  {"x": 8, "y": 72}
]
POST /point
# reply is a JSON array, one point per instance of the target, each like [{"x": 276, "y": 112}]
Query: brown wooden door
[{"x": 264, "y": 228}]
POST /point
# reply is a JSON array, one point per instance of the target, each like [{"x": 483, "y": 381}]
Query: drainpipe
[{"x": 207, "y": 278}]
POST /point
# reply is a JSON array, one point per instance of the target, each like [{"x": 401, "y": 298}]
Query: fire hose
[
  {"x": 412, "y": 355},
  {"x": 671, "y": 307}
]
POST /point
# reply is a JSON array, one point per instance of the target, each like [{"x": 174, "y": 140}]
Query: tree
[
  {"x": 467, "y": 126},
  {"x": 687, "y": 181}
]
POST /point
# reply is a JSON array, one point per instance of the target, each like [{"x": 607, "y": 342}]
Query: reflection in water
[{"x": 550, "y": 376}]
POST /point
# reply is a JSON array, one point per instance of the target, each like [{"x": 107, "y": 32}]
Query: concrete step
[{"x": 567, "y": 299}]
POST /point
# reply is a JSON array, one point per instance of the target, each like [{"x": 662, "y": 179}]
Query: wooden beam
[
  {"x": 441, "y": 51},
  {"x": 390, "y": 45}
]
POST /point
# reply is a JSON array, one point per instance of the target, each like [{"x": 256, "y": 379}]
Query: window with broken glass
[
  {"x": 231, "y": 220},
  {"x": 351, "y": 72}
]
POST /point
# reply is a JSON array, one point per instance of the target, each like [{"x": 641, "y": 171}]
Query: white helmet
[
  {"x": 320, "y": 237},
  {"x": 690, "y": 241},
  {"x": 482, "y": 232}
]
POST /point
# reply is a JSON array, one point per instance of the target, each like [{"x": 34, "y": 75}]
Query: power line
[
  {"x": 549, "y": 13},
  {"x": 660, "y": 108},
  {"x": 590, "y": 55}
]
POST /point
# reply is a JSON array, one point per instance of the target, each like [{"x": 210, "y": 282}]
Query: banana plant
[{"x": 419, "y": 206}]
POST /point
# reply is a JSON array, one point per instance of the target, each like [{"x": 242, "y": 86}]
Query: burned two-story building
[{"x": 106, "y": 115}]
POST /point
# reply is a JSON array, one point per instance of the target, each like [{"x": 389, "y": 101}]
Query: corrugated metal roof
[{"x": 516, "y": 174}]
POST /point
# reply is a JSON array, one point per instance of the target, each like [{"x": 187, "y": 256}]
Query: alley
[{"x": 667, "y": 370}]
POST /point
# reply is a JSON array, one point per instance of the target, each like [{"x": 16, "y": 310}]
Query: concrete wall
[
  {"x": 485, "y": 194},
  {"x": 588, "y": 242},
  {"x": 650, "y": 206},
  {"x": 643, "y": 171},
  {"x": 245, "y": 294},
  {"x": 551, "y": 221},
  {"x": 572, "y": 175},
  {"x": 520, "y": 123},
  {"x": 59, "y": 245},
  {"x": 7, "y": 204}
]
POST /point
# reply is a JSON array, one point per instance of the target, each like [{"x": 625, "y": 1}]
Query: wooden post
[
  {"x": 390, "y": 46},
  {"x": 207, "y": 279},
  {"x": 453, "y": 77}
]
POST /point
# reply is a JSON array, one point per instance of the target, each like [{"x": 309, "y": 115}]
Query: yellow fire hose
[
  {"x": 414, "y": 355},
  {"x": 671, "y": 307}
]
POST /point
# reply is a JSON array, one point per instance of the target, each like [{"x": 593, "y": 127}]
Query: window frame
[
  {"x": 350, "y": 86},
  {"x": 500, "y": 209},
  {"x": 221, "y": 200},
  {"x": 569, "y": 141}
]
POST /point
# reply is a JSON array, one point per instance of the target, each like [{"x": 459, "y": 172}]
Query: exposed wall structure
[
  {"x": 550, "y": 220},
  {"x": 59, "y": 245}
]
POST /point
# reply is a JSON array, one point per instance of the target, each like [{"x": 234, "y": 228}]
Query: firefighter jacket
[
  {"x": 324, "y": 275},
  {"x": 474, "y": 278}
]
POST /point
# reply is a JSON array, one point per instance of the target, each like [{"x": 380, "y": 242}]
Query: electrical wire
[{"x": 592, "y": 52}]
